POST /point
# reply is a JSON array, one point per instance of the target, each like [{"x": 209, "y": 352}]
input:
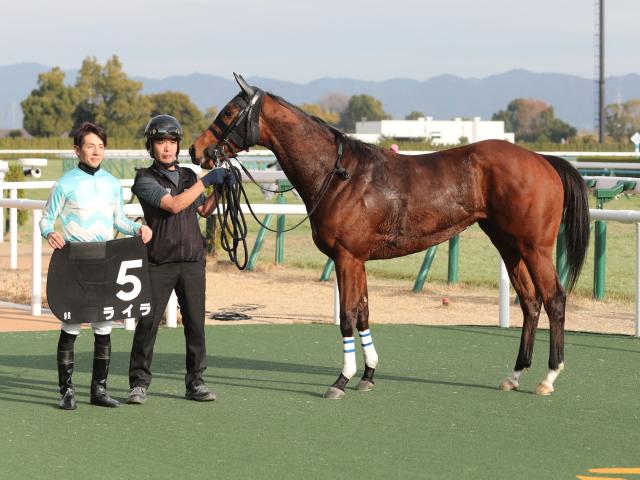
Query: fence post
[
  {"x": 1, "y": 208},
  {"x": 600, "y": 250},
  {"x": 282, "y": 186},
  {"x": 637, "y": 279},
  {"x": 326, "y": 272},
  {"x": 452, "y": 270},
  {"x": 36, "y": 266},
  {"x": 424, "y": 269},
  {"x": 503, "y": 295},
  {"x": 603, "y": 195},
  {"x": 259, "y": 241},
  {"x": 172, "y": 310},
  {"x": 561, "y": 256},
  {"x": 336, "y": 302},
  {"x": 13, "y": 230}
]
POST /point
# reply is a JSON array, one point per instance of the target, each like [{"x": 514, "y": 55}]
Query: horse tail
[{"x": 575, "y": 216}]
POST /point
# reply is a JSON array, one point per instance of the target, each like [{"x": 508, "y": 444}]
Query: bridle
[{"x": 241, "y": 134}]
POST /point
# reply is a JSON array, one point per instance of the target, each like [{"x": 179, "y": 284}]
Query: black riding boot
[
  {"x": 101, "y": 358},
  {"x": 65, "y": 370}
]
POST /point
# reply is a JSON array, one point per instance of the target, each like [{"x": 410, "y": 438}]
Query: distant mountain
[
  {"x": 441, "y": 97},
  {"x": 16, "y": 82}
]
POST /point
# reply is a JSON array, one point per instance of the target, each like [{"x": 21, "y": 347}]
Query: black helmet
[{"x": 162, "y": 126}]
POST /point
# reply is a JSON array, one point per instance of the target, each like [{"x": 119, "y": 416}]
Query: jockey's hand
[
  {"x": 216, "y": 176},
  {"x": 55, "y": 240},
  {"x": 145, "y": 233}
]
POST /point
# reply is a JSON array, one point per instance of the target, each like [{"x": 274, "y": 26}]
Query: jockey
[{"x": 88, "y": 202}]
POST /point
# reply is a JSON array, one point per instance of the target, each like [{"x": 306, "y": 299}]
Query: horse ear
[{"x": 243, "y": 84}]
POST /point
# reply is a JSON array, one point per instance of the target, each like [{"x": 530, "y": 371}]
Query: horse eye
[{"x": 227, "y": 113}]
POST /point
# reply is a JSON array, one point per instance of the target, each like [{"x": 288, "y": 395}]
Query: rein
[{"x": 338, "y": 169}]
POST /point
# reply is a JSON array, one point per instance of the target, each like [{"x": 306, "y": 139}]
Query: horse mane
[{"x": 356, "y": 146}]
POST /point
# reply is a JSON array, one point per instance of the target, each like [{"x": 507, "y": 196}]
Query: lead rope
[{"x": 232, "y": 222}]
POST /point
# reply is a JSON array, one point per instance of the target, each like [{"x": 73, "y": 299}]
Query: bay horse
[{"x": 367, "y": 203}]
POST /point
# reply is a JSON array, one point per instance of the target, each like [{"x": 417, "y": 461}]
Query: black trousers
[{"x": 188, "y": 280}]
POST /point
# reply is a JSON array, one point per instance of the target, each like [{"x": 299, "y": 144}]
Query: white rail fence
[
  {"x": 132, "y": 210},
  {"x": 135, "y": 211}
]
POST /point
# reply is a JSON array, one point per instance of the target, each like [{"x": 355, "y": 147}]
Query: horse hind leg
[
  {"x": 554, "y": 305},
  {"x": 546, "y": 280},
  {"x": 530, "y": 303}
]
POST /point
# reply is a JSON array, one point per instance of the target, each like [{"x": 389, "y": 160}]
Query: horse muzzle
[
  {"x": 192, "y": 154},
  {"x": 200, "y": 161}
]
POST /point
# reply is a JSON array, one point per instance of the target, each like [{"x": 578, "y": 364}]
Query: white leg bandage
[
  {"x": 552, "y": 375},
  {"x": 349, "y": 363},
  {"x": 514, "y": 378},
  {"x": 369, "y": 350}
]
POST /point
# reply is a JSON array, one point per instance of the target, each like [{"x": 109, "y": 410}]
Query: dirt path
[
  {"x": 286, "y": 295},
  {"x": 281, "y": 294}
]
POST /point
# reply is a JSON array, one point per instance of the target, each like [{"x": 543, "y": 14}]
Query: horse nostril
[{"x": 192, "y": 154}]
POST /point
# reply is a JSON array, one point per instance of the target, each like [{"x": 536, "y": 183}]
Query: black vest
[{"x": 176, "y": 237}]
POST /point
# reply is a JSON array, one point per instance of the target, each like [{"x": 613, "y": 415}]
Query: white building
[{"x": 445, "y": 132}]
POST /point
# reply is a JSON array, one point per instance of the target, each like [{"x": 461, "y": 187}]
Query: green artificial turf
[{"x": 436, "y": 411}]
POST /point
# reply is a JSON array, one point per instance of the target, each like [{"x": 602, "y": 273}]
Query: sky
[{"x": 301, "y": 40}]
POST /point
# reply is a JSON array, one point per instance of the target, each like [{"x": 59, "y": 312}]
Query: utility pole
[{"x": 600, "y": 63}]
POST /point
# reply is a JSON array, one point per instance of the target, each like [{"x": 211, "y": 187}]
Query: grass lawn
[{"x": 436, "y": 411}]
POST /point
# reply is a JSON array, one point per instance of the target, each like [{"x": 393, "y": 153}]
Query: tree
[
  {"x": 362, "y": 107},
  {"x": 334, "y": 102},
  {"x": 623, "y": 120},
  {"x": 111, "y": 99},
  {"x": 316, "y": 110},
  {"x": 47, "y": 110},
  {"x": 211, "y": 113},
  {"x": 15, "y": 133},
  {"x": 415, "y": 115},
  {"x": 180, "y": 106},
  {"x": 533, "y": 120}
]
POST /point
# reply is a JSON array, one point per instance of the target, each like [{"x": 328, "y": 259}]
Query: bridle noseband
[{"x": 243, "y": 132}]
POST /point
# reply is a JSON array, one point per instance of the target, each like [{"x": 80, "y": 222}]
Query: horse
[{"x": 365, "y": 202}]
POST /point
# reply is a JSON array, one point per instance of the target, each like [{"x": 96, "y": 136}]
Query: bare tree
[{"x": 334, "y": 102}]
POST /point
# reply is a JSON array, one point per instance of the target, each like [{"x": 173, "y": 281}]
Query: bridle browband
[{"x": 243, "y": 132}]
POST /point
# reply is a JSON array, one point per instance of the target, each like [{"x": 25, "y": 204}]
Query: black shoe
[
  {"x": 137, "y": 396},
  {"x": 101, "y": 398},
  {"x": 200, "y": 393},
  {"x": 68, "y": 400}
]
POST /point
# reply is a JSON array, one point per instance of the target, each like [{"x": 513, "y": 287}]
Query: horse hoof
[
  {"x": 508, "y": 384},
  {"x": 333, "y": 394},
  {"x": 544, "y": 388},
  {"x": 365, "y": 385}
]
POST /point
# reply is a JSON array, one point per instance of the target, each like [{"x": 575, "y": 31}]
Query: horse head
[{"x": 235, "y": 128}]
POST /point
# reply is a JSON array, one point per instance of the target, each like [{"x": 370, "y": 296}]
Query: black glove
[
  {"x": 231, "y": 179},
  {"x": 216, "y": 176}
]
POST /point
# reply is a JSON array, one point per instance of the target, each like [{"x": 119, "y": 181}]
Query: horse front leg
[
  {"x": 352, "y": 285},
  {"x": 366, "y": 383}
]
